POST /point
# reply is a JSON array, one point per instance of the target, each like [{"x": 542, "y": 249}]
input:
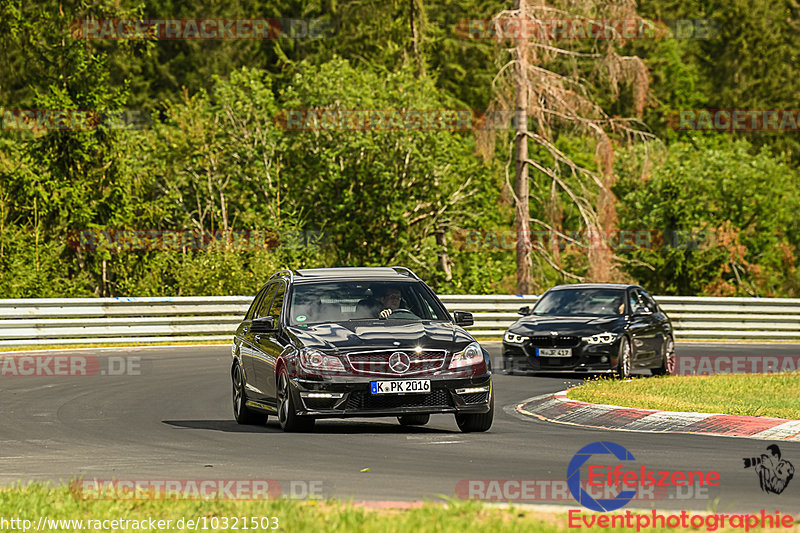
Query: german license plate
[
  {"x": 417, "y": 386},
  {"x": 554, "y": 352}
]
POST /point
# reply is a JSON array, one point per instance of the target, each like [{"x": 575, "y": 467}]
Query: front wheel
[
  {"x": 624, "y": 359},
  {"x": 242, "y": 413},
  {"x": 477, "y": 422},
  {"x": 287, "y": 415}
]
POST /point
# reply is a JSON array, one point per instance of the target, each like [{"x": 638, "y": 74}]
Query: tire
[
  {"x": 413, "y": 420},
  {"x": 668, "y": 361},
  {"x": 478, "y": 422},
  {"x": 624, "y": 359},
  {"x": 290, "y": 422},
  {"x": 243, "y": 414}
]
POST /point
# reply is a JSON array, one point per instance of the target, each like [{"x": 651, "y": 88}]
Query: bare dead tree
[
  {"x": 522, "y": 212},
  {"x": 547, "y": 79}
]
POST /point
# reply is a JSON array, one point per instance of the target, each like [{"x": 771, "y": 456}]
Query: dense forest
[{"x": 160, "y": 162}]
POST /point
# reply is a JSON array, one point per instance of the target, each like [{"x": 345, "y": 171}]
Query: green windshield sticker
[{"x": 301, "y": 318}]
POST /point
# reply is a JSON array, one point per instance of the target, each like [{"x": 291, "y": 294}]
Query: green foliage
[
  {"x": 368, "y": 189},
  {"x": 217, "y": 158},
  {"x": 749, "y": 63},
  {"x": 724, "y": 218}
]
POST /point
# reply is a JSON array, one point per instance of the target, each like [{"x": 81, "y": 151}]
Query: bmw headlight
[
  {"x": 601, "y": 338},
  {"x": 471, "y": 355},
  {"x": 316, "y": 360},
  {"x": 513, "y": 338}
]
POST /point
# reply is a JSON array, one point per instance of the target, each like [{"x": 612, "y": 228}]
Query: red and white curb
[{"x": 559, "y": 409}]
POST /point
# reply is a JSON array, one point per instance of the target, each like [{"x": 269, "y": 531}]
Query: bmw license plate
[
  {"x": 416, "y": 386},
  {"x": 554, "y": 352}
]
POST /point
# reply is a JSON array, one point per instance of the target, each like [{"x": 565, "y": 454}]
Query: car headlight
[
  {"x": 513, "y": 338},
  {"x": 601, "y": 338},
  {"x": 315, "y": 360},
  {"x": 471, "y": 355}
]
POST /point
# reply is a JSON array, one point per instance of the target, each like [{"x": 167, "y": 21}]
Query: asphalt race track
[{"x": 169, "y": 417}]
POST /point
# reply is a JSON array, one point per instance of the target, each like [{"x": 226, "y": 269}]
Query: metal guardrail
[
  {"x": 31, "y": 322},
  {"x": 696, "y": 318}
]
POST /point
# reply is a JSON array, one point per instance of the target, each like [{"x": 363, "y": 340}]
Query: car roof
[
  {"x": 593, "y": 286},
  {"x": 349, "y": 273}
]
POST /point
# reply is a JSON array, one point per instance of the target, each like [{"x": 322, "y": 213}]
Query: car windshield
[
  {"x": 342, "y": 301},
  {"x": 586, "y": 302}
]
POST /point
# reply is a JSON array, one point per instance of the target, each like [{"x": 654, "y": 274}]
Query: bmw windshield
[
  {"x": 342, "y": 301},
  {"x": 582, "y": 302}
]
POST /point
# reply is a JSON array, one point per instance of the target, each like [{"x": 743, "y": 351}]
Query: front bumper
[
  {"x": 356, "y": 400},
  {"x": 595, "y": 358}
]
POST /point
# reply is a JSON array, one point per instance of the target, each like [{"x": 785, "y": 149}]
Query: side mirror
[
  {"x": 264, "y": 324},
  {"x": 524, "y": 311},
  {"x": 462, "y": 318},
  {"x": 642, "y": 311}
]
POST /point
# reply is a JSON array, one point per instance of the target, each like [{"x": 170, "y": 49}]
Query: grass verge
[
  {"x": 107, "y": 345},
  {"x": 57, "y": 503},
  {"x": 49, "y": 508},
  {"x": 775, "y": 395}
]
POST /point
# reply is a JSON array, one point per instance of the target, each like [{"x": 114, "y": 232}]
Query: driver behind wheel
[
  {"x": 382, "y": 302},
  {"x": 389, "y": 300}
]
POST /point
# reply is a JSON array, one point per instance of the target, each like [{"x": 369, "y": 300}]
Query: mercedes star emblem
[{"x": 399, "y": 362}]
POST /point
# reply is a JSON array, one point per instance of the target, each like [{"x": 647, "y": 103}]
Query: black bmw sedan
[
  {"x": 356, "y": 342},
  {"x": 599, "y": 327}
]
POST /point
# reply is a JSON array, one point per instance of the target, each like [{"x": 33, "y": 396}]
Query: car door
[
  {"x": 270, "y": 345},
  {"x": 637, "y": 327},
  {"x": 243, "y": 346},
  {"x": 661, "y": 323},
  {"x": 647, "y": 329},
  {"x": 250, "y": 350}
]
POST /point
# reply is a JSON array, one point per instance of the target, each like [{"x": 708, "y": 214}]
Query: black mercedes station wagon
[
  {"x": 591, "y": 328},
  {"x": 357, "y": 342}
]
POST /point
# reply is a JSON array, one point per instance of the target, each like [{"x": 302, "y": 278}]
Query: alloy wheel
[{"x": 624, "y": 363}]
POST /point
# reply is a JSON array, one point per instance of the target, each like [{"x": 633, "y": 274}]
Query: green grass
[
  {"x": 57, "y": 503},
  {"x": 107, "y": 345},
  {"x": 775, "y": 395},
  {"x": 37, "y": 500}
]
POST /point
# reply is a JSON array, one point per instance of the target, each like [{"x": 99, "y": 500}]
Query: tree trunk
[
  {"x": 601, "y": 256},
  {"x": 522, "y": 213},
  {"x": 444, "y": 258}
]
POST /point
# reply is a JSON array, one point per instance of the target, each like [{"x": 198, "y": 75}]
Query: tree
[
  {"x": 380, "y": 188},
  {"x": 70, "y": 178},
  {"x": 545, "y": 79},
  {"x": 716, "y": 220}
]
